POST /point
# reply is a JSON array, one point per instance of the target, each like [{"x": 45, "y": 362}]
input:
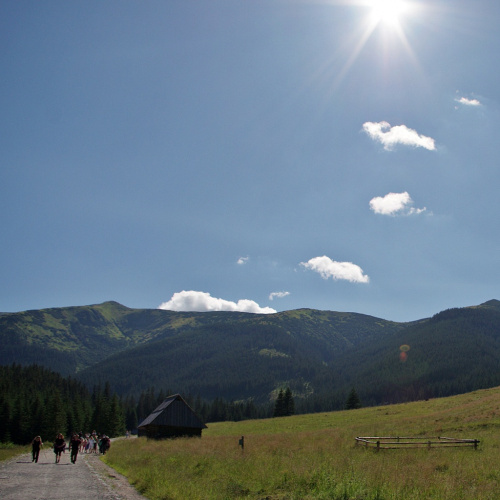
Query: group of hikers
[{"x": 85, "y": 443}]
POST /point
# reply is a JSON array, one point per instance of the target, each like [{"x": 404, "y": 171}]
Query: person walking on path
[
  {"x": 59, "y": 447},
  {"x": 74, "y": 446},
  {"x": 36, "y": 445},
  {"x": 88, "y": 479}
]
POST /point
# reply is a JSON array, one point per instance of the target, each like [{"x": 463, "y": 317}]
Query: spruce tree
[
  {"x": 289, "y": 404},
  {"x": 116, "y": 420},
  {"x": 37, "y": 411},
  {"x": 131, "y": 420},
  {"x": 5, "y": 419},
  {"x": 279, "y": 406},
  {"x": 353, "y": 402},
  {"x": 55, "y": 416},
  {"x": 20, "y": 425},
  {"x": 100, "y": 417}
]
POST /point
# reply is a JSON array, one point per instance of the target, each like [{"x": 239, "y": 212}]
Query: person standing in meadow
[
  {"x": 74, "y": 445},
  {"x": 59, "y": 447},
  {"x": 36, "y": 446}
]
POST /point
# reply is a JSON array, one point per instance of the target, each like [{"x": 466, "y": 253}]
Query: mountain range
[{"x": 320, "y": 355}]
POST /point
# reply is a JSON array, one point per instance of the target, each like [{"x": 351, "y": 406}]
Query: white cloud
[
  {"x": 468, "y": 102},
  {"x": 202, "y": 302},
  {"x": 242, "y": 260},
  {"x": 329, "y": 268},
  {"x": 394, "y": 204},
  {"x": 278, "y": 295},
  {"x": 399, "y": 134}
]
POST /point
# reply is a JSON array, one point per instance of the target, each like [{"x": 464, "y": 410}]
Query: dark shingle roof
[{"x": 173, "y": 412}]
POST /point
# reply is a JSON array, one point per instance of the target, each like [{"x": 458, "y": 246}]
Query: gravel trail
[{"x": 89, "y": 478}]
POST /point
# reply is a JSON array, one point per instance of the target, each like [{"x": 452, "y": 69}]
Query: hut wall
[{"x": 164, "y": 431}]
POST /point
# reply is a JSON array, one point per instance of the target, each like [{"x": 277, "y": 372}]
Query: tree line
[
  {"x": 37, "y": 401},
  {"x": 217, "y": 410}
]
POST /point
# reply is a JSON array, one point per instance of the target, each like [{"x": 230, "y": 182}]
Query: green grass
[
  {"x": 315, "y": 456},
  {"x": 8, "y": 451}
]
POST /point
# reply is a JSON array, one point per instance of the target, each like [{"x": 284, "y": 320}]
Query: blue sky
[{"x": 250, "y": 155}]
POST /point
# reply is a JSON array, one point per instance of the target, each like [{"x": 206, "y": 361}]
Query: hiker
[
  {"x": 59, "y": 447},
  {"x": 36, "y": 445},
  {"x": 83, "y": 443},
  {"x": 104, "y": 444},
  {"x": 74, "y": 445}
]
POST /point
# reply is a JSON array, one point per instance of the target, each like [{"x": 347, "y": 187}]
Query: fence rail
[{"x": 395, "y": 442}]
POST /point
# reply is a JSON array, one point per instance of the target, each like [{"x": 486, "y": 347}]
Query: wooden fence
[{"x": 395, "y": 442}]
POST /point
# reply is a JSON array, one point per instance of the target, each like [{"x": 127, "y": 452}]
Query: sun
[
  {"x": 391, "y": 19},
  {"x": 387, "y": 12}
]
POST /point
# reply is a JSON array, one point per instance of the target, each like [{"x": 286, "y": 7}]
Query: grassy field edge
[{"x": 315, "y": 456}]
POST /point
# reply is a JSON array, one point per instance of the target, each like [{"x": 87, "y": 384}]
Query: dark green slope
[
  {"x": 455, "y": 351},
  {"x": 73, "y": 338},
  {"x": 241, "y": 358},
  {"x": 69, "y": 339},
  {"x": 319, "y": 354}
]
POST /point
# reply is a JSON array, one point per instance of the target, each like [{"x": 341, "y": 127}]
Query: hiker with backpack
[
  {"x": 74, "y": 446},
  {"x": 36, "y": 446},
  {"x": 59, "y": 447}
]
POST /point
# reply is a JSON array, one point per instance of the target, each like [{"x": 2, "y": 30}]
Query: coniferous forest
[
  {"x": 115, "y": 364},
  {"x": 37, "y": 401}
]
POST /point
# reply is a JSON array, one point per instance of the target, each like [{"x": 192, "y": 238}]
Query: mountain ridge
[{"x": 238, "y": 356}]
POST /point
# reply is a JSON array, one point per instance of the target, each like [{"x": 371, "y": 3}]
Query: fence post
[
  {"x": 429, "y": 445},
  {"x": 378, "y": 445}
]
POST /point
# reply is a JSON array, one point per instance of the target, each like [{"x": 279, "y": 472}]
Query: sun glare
[
  {"x": 390, "y": 18},
  {"x": 388, "y": 12}
]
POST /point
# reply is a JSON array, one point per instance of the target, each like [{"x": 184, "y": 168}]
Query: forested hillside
[
  {"x": 37, "y": 401},
  {"x": 455, "y": 351},
  {"x": 320, "y": 355},
  {"x": 73, "y": 338},
  {"x": 69, "y": 339}
]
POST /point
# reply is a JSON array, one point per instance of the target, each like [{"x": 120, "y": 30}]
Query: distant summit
[{"x": 492, "y": 303}]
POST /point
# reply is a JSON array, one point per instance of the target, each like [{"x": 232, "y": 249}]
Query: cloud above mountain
[
  {"x": 278, "y": 295},
  {"x": 191, "y": 300},
  {"x": 389, "y": 136},
  {"x": 328, "y": 268}
]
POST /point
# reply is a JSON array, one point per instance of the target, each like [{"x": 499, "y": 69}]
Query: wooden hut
[{"x": 172, "y": 418}]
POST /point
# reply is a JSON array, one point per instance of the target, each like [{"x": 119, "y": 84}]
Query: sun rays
[
  {"x": 388, "y": 12},
  {"x": 385, "y": 16}
]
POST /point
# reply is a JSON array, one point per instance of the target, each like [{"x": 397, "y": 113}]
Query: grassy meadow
[{"x": 315, "y": 456}]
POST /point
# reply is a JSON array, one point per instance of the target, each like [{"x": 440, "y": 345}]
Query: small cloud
[
  {"x": 399, "y": 134},
  {"x": 329, "y": 268},
  {"x": 468, "y": 102},
  {"x": 203, "y": 302},
  {"x": 242, "y": 261},
  {"x": 278, "y": 295},
  {"x": 395, "y": 204}
]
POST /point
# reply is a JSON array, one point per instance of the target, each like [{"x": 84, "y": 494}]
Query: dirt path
[{"x": 20, "y": 479}]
